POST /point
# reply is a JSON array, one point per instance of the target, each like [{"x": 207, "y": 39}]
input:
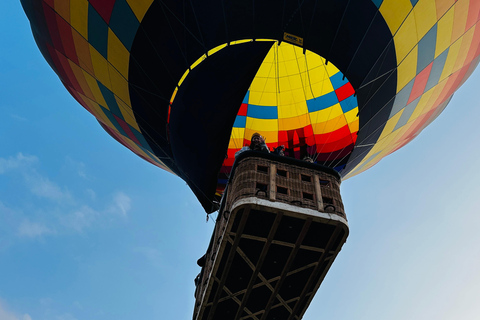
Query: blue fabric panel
[
  {"x": 97, "y": 31},
  {"x": 322, "y": 102},
  {"x": 349, "y": 104},
  {"x": 114, "y": 122},
  {"x": 140, "y": 139},
  {"x": 402, "y": 98},
  {"x": 240, "y": 122},
  {"x": 262, "y": 112},
  {"x": 407, "y": 113},
  {"x": 110, "y": 100},
  {"x": 426, "y": 49},
  {"x": 338, "y": 80},
  {"x": 436, "y": 71},
  {"x": 124, "y": 23},
  {"x": 245, "y": 100}
]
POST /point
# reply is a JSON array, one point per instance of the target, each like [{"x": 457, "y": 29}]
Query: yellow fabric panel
[
  {"x": 384, "y": 146},
  {"x": 99, "y": 114},
  {"x": 183, "y": 77},
  {"x": 293, "y": 81},
  {"x": 394, "y": 12},
  {"x": 293, "y": 98},
  {"x": 236, "y": 138},
  {"x": 263, "y": 98},
  {"x": 326, "y": 114},
  {"x": 352, "y": 120},
  {"x": 293, "y": 67},
  {"x": 260, "y": 85},
  {"x": 443, "y": 6},
  {"x": 235, "y": 143},
  {"x": 351, "y": 116},
  {"x": 293, "y": 123},
  {"x": 321, "y": 83},
  {"x": 83, "y": 51},
  {"x": 119, "y": 85},
  {"x": 461, "y": 14},
  {"x": 313, "y": 60},
  {"x": 406, "y": 38},
  {"x": 79, "y": 76},
  {"x": 437, "y": 91},
  {"x": 199, "y": 60},
  {"x": 79, "y": 16},
  {"x": 425, "y": 13},
  {"x": 262, "y": 124},
  {"x": 453, "y": 53},
  {"x": 268, "y": 68},
  {"x": 390, "y": 125},
  {"x": 270, "y": 136},
  {"x": 330, "y": 125},
  {"x": 465, "y": 46},
  {"x": 293, "y": 110},
  {"x": 62, "y": 7},
  {"x": 444, "y": 32},
  {"x": 354, "y": 126},
  {"x": 238, "y": 133},
  {"x": 139, "y": 7},
  {"x": 97, "y": 94},
  {"x": 407, "y": 70},
  {"x": 100, "y": 67},
  {"x": 118, "y": 55},
  {"x": 174, "y": 94},
  {"x": 127, "y": 113},
  {"x": 240, "y": 41},
  {"x": 400, "y": 138},
  {"x": 216, "y": 49},
  {"x": 330, "y": 69},
  {"x": 424, "y": 103}
]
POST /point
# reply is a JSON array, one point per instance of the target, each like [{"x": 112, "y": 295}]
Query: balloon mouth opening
[{"x": 298, "y": 100}]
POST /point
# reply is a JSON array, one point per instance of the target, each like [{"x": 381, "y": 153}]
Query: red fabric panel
[
  {"x": 473, "y": 13},
  {"x": 51, "y": 20},
  {"x": 104, "y": 8},
  {"x": 420, "y": 83},
  {"x": 71, "y": 80},
  {"x": 127, "y": 130},
  {"x": 344, "y": 91},
  {"x": 334, "y": 141},
  {"x": 67, "y": 39},
  {"x": 50, "y": 3},
  {"x": 243, "y": 110},
  {"x": 336, "y": 155}
]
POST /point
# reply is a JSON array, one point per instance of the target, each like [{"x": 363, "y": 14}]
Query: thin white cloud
[
  {"x": 80, "y": 218},
  {"x": 65, "y": 213},
  {"x": 65, "y": 316},
  {"x": 77, "y": 166},
  {"x": 43, "y": 187},
  {"x": 19, "y": 161},
  {"x": 17, "y": 117},
  {"x": 121, "y": 204},
  {"x": 6, "y": 314},
  {"x": 91, "y": 194},
  {"x": 152, "y": 255},
  {"x": 32, "y": 230}
]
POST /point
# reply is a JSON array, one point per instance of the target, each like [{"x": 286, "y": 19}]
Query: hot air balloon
[{"x": 185, "y": 84}]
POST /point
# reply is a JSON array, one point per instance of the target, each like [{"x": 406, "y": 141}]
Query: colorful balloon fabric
[{"x": 185, "y": 84}]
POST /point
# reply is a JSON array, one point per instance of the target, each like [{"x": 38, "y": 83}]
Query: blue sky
[{"x": 90, "y": 231}]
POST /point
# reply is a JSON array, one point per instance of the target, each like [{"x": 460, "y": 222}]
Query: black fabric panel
[
  {"x": 174, "y": 34},
  {"x": 204, "y": 111}
]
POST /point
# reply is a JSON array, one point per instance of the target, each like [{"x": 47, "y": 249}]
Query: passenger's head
[{"x": 256, "y": 141}]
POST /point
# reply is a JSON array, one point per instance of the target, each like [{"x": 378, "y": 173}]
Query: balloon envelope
[{"x": 184, "y": 84}]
